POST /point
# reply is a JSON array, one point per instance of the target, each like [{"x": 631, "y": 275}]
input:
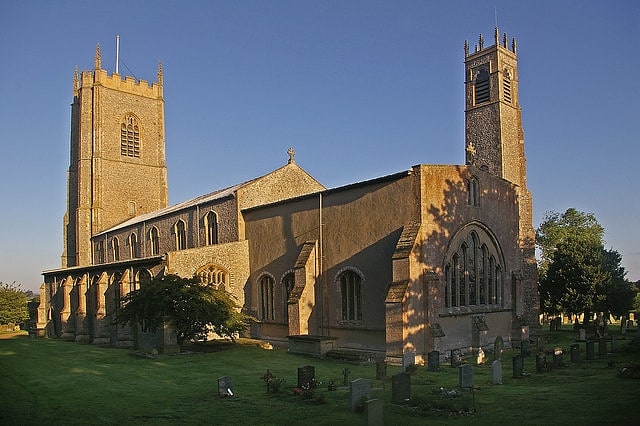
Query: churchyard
[{"x": 46, "y": 381}]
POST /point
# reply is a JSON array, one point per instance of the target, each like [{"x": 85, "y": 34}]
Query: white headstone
[
  {"x": 408, "y": 358},
  {"x": 496, "y": 372}
]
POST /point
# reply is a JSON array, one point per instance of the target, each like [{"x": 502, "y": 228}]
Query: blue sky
[{"x": 359, "y": 89}]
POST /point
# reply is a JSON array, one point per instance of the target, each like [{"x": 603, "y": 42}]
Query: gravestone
[
  {"x": 575, "y": 352},
  {"x": 400, "y": 388},
  {"x": 381, "y": 370},
  {"x": 408, "y": 358},
  {"x": 518, "y": 366},
  {"x": 496, "y": 372},
  {"x": 602, "y": 347},
  {"x": 465, "y": 373},
  {"x": 456, "y": 358},
  {"x": 582, "y": 335},
  {"x": 541, "y": 363},
  {"x": 498, "y": 348},
  {"x": 225, "y": 387},
  {"x": 373, "y": 412},
  {"x": 433, "y": 361},
  {"x": 591, "y": 353},
  {"x": 360, "y": 391},
  {"x": 306, "y": 375}
]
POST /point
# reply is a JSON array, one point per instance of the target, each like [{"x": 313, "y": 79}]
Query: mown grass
[{"x": 44, "y": 381}]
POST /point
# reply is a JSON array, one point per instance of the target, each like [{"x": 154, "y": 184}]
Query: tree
[
  {"x": 193, "y": 308},
  {"x": 13, "y": 304},
  {"x": 618, "y": 293}
]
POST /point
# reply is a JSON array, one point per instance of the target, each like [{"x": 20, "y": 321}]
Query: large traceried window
[
  {"x": 351, "y": 296},
  {"x": 215, "y": 275},
  {"x": 473, "y": 271},
  {"x": 154, "y": 241},
  {"x": 130, "y": 137},
  {"x": 180, "y": 229},
  {"x": 211, "y": 225},
  {"x": 267, "y": 309}
]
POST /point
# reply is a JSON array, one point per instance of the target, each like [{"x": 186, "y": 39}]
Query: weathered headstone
[
  {"x": 602, "y": 347},
  {"x": 575, "y": 352},
  {"x": 373, "y": 412},
  {"x": 381, "y": 370},
  {"x": 408, "y": 358},
  {"x": 433, "y": 361},
  {"x": 400, "y": 388},
  {"x": 465, "y": 374},
  {"x": 306, "y": 375},
  {"x": 225, "y": 386},
  {"x": 360, "y": 391},
  {"x": 541, "y": 363},
  {"x": 591, "y": 353},
  {"x": 498, "y": 348},
  {"x": 582, "y": 335},
  {"x": 518, "y": 366},
  {"x": 496, "y": 372},
  {"x": 456, "y": 358}
]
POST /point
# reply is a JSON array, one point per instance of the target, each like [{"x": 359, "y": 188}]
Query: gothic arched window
[
  {"x": 133, "y": 246},
  {"x": 130, "y": 137},
  {"x": 213, "y": 274},
  {"x": 350, "y": 291},
  {"x": 211, "y": 225},
  {"x": 115, "y": 246},
  {"x": 154, "y": 241},
  {"x": 267, "y": 309},
  {"x": 180, "y": 229}
]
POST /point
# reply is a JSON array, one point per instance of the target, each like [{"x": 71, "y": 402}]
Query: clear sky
[{"x": 359, "y": 89}]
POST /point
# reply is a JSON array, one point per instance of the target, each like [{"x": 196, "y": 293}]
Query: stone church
[{"x": 434, "y": 257}]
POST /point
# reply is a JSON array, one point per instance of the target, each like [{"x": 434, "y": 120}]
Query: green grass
[{"x": 44, "y": 381}]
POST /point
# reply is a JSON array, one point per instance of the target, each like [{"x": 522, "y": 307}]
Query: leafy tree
[
  {"x": 618, "y": 293},
  {"x": 13, "y": 304},
  {"x": 192, "y": 307}
]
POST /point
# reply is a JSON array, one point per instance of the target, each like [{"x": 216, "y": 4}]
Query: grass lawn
[{"x": 46, "y": 381}]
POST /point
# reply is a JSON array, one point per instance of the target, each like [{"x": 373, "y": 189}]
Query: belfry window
[
  {"x": 483, "y": 94},
  {"x": 506, "y": 86},
  {"x": 130, "y": 137},
  {"x": 350, "y": 289}
]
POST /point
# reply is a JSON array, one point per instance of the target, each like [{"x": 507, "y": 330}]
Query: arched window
[
  {"x": 483, "y": 92},
  {"x": 180, "y": 229},
  {"x": 142, "y": 277},
  {"x": 267, "y": 310},
  {"x": 211, "y": 225},
  {"x": 154, "y": 241},
  {"x": 472, "y": 270},
  {"x": 130, "y": 137},
  {"x": 350, "y": 290},
  {"x": 115, "y": 246},
  {"x": 133, "y": 246},
  {"x": 100, "y": 251}
]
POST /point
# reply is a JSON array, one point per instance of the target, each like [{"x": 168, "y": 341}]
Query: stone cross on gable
[{"x": 292, "y": 154}]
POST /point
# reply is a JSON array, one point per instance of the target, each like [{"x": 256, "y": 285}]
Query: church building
[{"x": 434, "y": 257}]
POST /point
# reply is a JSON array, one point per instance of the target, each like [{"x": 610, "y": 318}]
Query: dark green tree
[
  {"x": 193, "y": 308},
  {"x": 13, "y": 304}
]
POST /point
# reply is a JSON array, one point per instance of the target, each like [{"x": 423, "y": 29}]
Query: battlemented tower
[
  {"x": 117, "y": 167},
  {"x": 495, "y": 143}
]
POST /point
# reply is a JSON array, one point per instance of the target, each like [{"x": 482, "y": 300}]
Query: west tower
[
  {"x": 117, "y": 159},
  {"x": 495, "y": 143}
]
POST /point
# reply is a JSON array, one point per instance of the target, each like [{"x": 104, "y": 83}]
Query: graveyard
[{"x": 557, "y": 377}]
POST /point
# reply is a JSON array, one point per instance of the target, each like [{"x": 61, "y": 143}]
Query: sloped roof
[{"x": 396, "y": 291}]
